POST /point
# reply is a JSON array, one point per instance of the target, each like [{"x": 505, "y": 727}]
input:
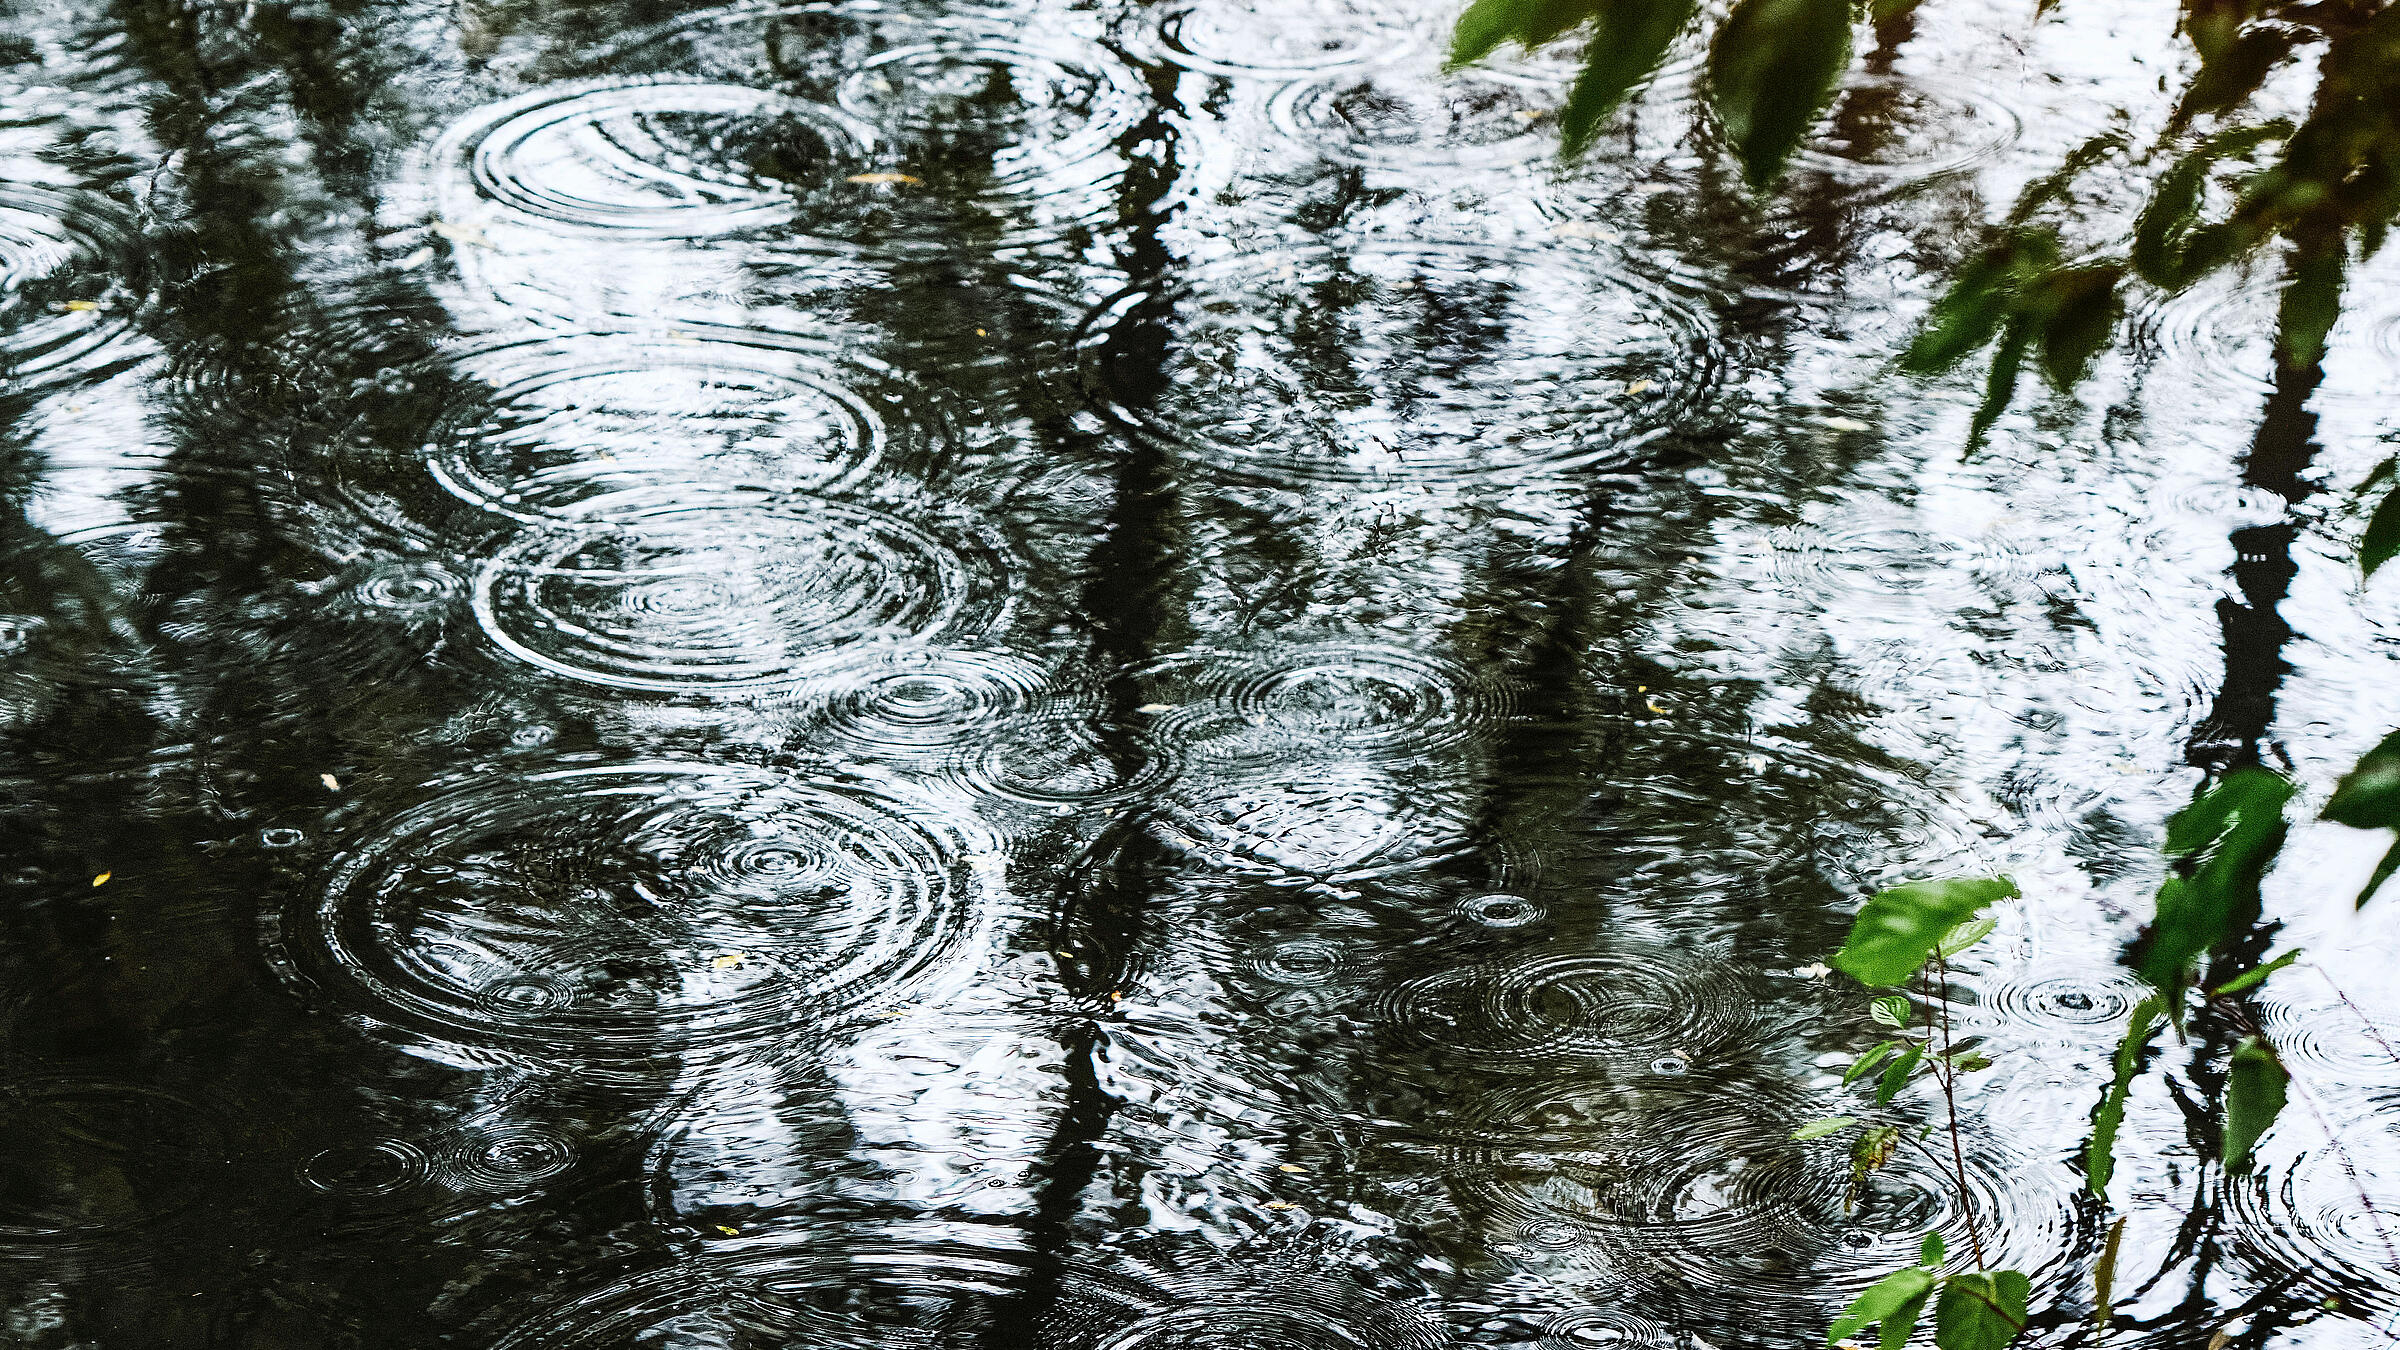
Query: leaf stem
[{"x": 1946, "y": 1074}]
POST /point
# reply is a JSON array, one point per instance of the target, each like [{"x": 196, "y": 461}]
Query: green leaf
[
  {"x": 1867, "y": 1060},
  {"x": 1967, "y": 1061},
  {"x": 2254, "y": 1092},
  {"x": 2000, "y": 386},
  {"x": 1895, "y": 1075},
  {"x": 2170, "y": 249},
  {"x": 1771, "y": 71},
  {"x": 2252, "y": 979},
  {"x": 1966, "y": 316},
  {"x": 1964, "y": 936},
  {"x": 2079, "y": 308},
  {"x": 2368, "y": 797},
  {"x": 1980, "y": 1310},
  {"x": 2222, "y": 843},
  {"x": 1531, "y": 23},
  {"x": 2384, "y": 868},
  {"x": 1822, "y": 1126},
  {"x": 1898, "y": 928},
  {"x": 1902, "y": 1291},
  {"x": 1902, "y": 1323},
  {"x": 1891, "y": 1010},
  {"x": 1931, "y": 1251},
  {"x": 2382, "y": 539},
  {"x": 2312, "y": 303},
  {"x": 2099, "y": 1155},
  {"x": 2104, "y": 1275},
  {"x": 1629, "y": 39}
]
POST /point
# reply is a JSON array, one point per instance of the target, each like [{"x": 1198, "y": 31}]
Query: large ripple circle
[
  {"x": 62, "y": 255},
  {"x": 1704, "y": 1190},
  {"x": 1437, "y": 361},
  {"x": 606, "y": 913},
  {"x": 652, "y": 159},
  {"x": 1362, "y": 699},
  {"x": 732, "y": 597},
  {"x": 1634, "y": 1010},
  {"x": 571, "y": 417}
]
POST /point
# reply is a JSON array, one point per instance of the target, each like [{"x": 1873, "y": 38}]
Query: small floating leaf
[
  {"x": 1825, "y": 1125},
  {"x": 883, "y": 178},
  {"x": 102, "y": 879}
]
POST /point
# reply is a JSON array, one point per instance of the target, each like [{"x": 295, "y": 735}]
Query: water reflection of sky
[{"x": 1034, "y": 674}]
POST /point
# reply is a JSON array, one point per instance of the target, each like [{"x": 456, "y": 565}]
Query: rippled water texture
[{"x": 1046, "y": 675}]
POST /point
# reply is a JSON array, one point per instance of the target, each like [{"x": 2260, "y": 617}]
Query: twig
[{"x": 1945, "y": 1073}]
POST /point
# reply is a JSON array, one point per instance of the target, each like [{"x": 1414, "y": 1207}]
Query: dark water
[{"x": 852, "y": 674}]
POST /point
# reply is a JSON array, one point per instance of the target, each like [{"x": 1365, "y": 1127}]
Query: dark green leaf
[
  {"x": 2000, "y": 387},
  {"x": 1980, "y": 1310},
  {"x": 2169, "y": 248},
  {"x": 2254, "y": 1091},
  {"x": 1897, "y": 929},
  {"x": 2104, "y": 1275},
  {"x": 1966, "y": 316},
  {"x": 2368, "y": 797},
  {"x": 1824, "y": 1125},
  {"x": 2384, "y": 868},
  {"x": 2312, "y": 302},
  {"x": 1629, "y": 39},
  {"x": 1895, "y": 1074},
  {"x": 1531, "y": 23},
  {"x": 1931, "y": 1251},
  {"x": 2382, "y": 539},
  {"x": 2222, "y": 844},
  {"x": 2252, "y": 979},
  {"x": 1771, "y": 71},
  {"x": 2099, "y": 1156},
  {"x": 2079, "y": 314},
  {"x": 1867, "y": 1060},
  {"x": 1887, "y": 1298}
]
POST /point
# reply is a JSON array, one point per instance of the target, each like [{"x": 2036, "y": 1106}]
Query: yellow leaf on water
[
  {"x": 102, "y": 879},
  {"x": 1842, "y": 424},
  {"x": 729, "y": 1232},
  {"x": 1289, "y": 1167},
  {"x": 727, "y": 961},
  {"x": 882, "y": 178},
  {"x": 80, "y": 306},
  {"x": 1279, "y": 1204},
  {"x": 1154, "y": 709},
  {"x": 332, "y": 784},
  {"x": 1641, "y": 386}
]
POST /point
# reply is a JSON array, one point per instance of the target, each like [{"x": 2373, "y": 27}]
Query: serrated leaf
[
  {"x": 1885, "y": 1302},
  {"x": 1629, "y": 39},
  {"x": 1822, "y": 1126},
  {"x": 1895, "y": 1075},
  {"x": 1771, "y": 70},
  {"x": 1980, "y": 1310},
  {"x": 1867, "y": 1059},
  {"x": 2099, "y": 1155},
  {"x": 1898, "y": 928},
  {"x": 2254, "y": 1095},
  {"x": 1964, "y": 936},
  {"x": 1891, "y": 1010}
]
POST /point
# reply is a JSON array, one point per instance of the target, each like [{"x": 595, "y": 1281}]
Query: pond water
[{"x": 1107, "y": 676}]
